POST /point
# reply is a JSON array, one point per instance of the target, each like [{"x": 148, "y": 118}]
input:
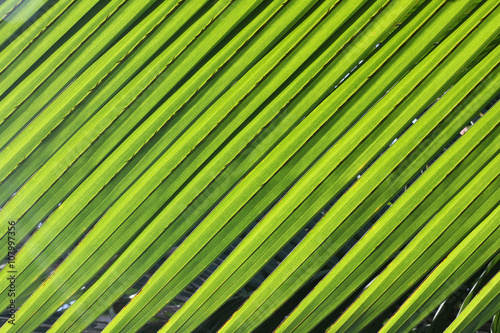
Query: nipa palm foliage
[{"x": 249, "y": 165}]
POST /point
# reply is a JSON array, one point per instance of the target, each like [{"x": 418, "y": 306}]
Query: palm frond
[{"x": 241, "y": 166}]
